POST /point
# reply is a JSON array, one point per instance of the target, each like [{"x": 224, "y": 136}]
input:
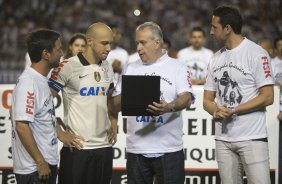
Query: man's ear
[
  {"x": 228, "y": 28},
  {"x": 157, "y": 42},
  {"x": 89, "y": 41},
  {"x": 45, "y": 54}
]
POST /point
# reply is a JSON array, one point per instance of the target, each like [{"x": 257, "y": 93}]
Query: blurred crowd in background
[{"x": 262, "y": 19}]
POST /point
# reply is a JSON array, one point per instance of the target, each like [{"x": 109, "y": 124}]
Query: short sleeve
[
  {"x": 60, "y": 75},
  {"x": 210, "y": 85},
  {"x": 184, "y": 82},
  {"x": 262, "y": 71},
  {"x": 24, "y": 100}
]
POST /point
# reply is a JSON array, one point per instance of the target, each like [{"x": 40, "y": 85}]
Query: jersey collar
[{"x": 83, "y": 60}]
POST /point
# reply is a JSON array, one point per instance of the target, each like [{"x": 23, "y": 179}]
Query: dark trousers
[
  {"x": 32, "y": 178},
  {"x": 167, "y": 169},
  {"x": 86, "y": 166}
]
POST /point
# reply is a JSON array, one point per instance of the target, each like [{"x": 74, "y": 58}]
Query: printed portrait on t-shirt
[
  {"x": 197, "y": 69},
  {"x": 228, "y": 90}
]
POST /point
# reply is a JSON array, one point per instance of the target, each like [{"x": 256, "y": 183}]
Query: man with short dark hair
[
  {"x": 238, "y": 88},
  {"x": 196, "y": 57},
  {"x": 34, "y": 138}
]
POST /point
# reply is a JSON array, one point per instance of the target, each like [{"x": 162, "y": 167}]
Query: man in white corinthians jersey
[
  {"x": 34, "y": 138},
  {"x": 85, "y": 81},
  {"x": 196, "y": 57},
  {"x": 238, "y": 88},
  {"x": 154, "y": 143}
]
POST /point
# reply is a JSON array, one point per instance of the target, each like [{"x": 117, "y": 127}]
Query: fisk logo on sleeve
[
  {"x": 266, "y": 67},
  {"x": 29, "y": 108}
]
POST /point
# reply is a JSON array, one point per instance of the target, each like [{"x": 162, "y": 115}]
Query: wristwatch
[{"x": 232, "y": 110}]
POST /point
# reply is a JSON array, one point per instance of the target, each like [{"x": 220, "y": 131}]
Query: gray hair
[{"x": 155, "y": 28}]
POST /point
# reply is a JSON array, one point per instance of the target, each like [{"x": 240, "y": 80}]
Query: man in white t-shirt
[
  {"x": 238, "y": 87},
  {"x": 154, "y": 143},
  {"x": 277, "y": 72},
  {"x": 85, "y": 80},
  {"x": 196, "y": 57},
  {"x": 118, "y": 56},
  {"x": 34, "y": 138}
]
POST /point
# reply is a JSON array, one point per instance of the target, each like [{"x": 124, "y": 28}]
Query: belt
[{"x": 261, "y": 139}]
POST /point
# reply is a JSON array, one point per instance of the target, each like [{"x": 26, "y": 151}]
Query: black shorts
[{"x": 86, "y": 166}]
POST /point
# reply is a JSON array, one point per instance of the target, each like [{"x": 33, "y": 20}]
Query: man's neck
[
  {"x": 41, "y": 68},
  {"x": 196, "y": 48},
  {"x": 158, "y": 55},
  {"x": 89, "y": 56},
  {"x": 233, "y": 41}
]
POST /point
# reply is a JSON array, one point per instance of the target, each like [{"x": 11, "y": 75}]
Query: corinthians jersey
[{"x": 84, "y": 89}]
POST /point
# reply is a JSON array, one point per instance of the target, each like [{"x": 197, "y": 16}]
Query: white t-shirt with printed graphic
[
  {"x": 196, "y": 60},
  {"x": 33, "y": 103},
  {"x": 276, "y": 64},
  {"x": 236, "y": 76},
  {"x": 144, "y": 136},
  {"x": 84, "y": 89}
]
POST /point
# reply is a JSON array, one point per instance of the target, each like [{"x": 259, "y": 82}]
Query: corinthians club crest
[{"x": 97, "y": 76}]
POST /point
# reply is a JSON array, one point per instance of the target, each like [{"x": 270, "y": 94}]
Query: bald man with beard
[{"x": 90, "y": 129}]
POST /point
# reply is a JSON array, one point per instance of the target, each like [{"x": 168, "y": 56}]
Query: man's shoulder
[
  {"x": 175, "y": 63},
  {"x": 64, "y": 68},
  {"x": 135, "y": 63},
  {"x": 209, "y": 51},
  {"x": 185, "y": 50},
  {"x": 254, "y": 51},
  {"x": 118, "y": 51},
  {"x": 29, "y": 75},
  {"x": 276, "y": 61},
  {"x": 25, "y": 79},
  {"x": 106, "y": 63}
]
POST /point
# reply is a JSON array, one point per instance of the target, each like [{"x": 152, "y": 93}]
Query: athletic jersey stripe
[{"x": 55, "y": 85}]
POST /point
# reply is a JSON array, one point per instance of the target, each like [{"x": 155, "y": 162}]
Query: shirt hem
[{"x": 138, "y": 151}]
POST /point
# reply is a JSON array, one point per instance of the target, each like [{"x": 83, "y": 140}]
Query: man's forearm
[
  {"x": 183, "y": 101},
  {"x": 28, "y": 141},
  {"x": 258, "y": 103},
  {"x": 210, "y": 106}
]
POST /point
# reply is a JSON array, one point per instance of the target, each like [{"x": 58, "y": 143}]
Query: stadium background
[{"x": 176, "y": 17}]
